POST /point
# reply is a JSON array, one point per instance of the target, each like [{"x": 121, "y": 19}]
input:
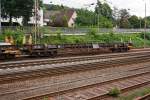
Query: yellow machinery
[
  {"x": 9, "y": 39},
  {"x": 27, "y": 40}
]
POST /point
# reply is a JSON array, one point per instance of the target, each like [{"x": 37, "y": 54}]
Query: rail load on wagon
[
  {"x": 8, "y": 51},
  {"x": 39, "y": 50},
  {"x": 51, "y": 50}
]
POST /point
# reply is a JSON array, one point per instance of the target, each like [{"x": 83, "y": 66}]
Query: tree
[
  {"x": 9, "y": 9},
  {"x": 116, "y": 16},
  {"x": 147, "y": 21},
  {"x": 124, "y": 16},
  {"x": 53, "y": 7},
  {"x": 86, "y": 18},
  {"x": 18, "y": 8},
  {"x": 26, "y": 11},
  {"x": 65, "y": 21},
  {"x": 98, "y": 7},
  {"x": 104, "y": 10},
  {"x": 115, "y": 13},
  {"x": 105, "y": 14},
  {"x": 142, "y": 22},
  {"x": 105, "y": 23},
  {"x": 124, "y": 13},
  {"x": 134, "y": 21},
  {"x": 124, "y": 23}
]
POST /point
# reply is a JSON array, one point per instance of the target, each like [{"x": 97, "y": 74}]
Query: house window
[{"x": 72, "y": 24}]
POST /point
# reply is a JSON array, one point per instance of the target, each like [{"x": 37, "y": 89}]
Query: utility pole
[
  {"x": 88, "y": 6},
  {"x": 145, "y": 26},
  {"x": 140, "y": 23},
  {"x": 98, "y": 17},
  {"x": 98, "y": 12},
  {"x": 36, "y": 21},
  {"x": 0, "y": 18},
  {"x": 35, "y": 12},
  {"x": 98, "y": 20}
]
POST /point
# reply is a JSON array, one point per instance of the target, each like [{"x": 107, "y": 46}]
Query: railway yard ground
[{"x": 112, "y": 76}]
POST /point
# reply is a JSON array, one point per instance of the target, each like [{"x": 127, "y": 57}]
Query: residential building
[
  {"x": 62, "y": 18},
  {"x": 18, "y": 21}
]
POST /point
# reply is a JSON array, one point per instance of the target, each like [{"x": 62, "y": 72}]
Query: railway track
[
  {"x": 26, "y": 63},
  {"x": 10, "y": 75},
  {"x": 48, "y": 68},
  {"x": 100, "y": 91},
  {"x": 25, "y": 57},
  {"x": 141, "y": 79},
  {"x": 69, "y": 86},
  {"x": 146, "y": 97}
]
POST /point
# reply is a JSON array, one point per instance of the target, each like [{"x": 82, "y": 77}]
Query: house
[
  {"x": 48, "y": 16},
  {"x": 63, "y": 18},
  {"x": 18, "y": 21},
  {"x": 40, "y": 19}
]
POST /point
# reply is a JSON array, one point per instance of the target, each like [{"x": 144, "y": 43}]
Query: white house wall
[
  {"x": 18, "y": 20},
  {"x": 41, "y": 21},
  {"x": 32, "y": 19},
  {"x": 72, "y": 20}
]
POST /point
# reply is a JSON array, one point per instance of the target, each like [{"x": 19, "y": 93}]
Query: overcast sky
[{"x": 137, "y": 7}]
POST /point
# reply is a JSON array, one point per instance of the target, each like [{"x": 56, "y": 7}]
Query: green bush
[
  {"x": 92, "y": 33},
  {"x": 2, "y": 37},
  {"x": 115, "y": 92},
  {"x": 105, "y": 23},
  {"x": 147, "y": 35},
  {"x": 93, "y": 37},
  {"x": 16, "y": 34},
  {"x": 45, "y": 30},
  {"x": 136, "y": 94}
]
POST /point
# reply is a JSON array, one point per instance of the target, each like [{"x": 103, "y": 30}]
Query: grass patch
[
  {"x": 91, "y": 37},
  {"x": 45, "y": 98},
  {"x": 136, "y": 94},
  {"x": 115, "y": 92}
]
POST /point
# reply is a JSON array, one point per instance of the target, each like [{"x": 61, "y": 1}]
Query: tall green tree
[
  {"x": 105, "y": 22},
  {"x": 104, "y": 14},
  {"x": 116, "y": 16},
  {"x": 104, "y": 10},
  {"x": 26, "y": 10},
  {"x": 18, "y": 8},
  {"x": 98, "y": 8},
  {"x": 124, "y": 13},
  {"x": 53, "y": 7},
  {"x": 147, "y": 21},
  {"x": 142, "y": 22},
  {"x": 10, "y": 10},
  {"x": 134, "y": 21},
  {"x": 86, "y": 18},
  {"x": 123, "y": 21}
]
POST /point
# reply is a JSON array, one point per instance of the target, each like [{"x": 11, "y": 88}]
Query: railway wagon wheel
[
  {"x": 125, "y": 49},
  {"x": 52, "y": 53},
  {"x": 2, "y": 56},
  {"x": 9, "y": 56},
  {"x": 114, "y": 50}
]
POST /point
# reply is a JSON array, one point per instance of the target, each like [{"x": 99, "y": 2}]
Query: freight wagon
[{"x": 43, "y": 50}]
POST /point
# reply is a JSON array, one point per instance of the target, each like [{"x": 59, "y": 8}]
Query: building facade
[{"x": 47, "y": 18}]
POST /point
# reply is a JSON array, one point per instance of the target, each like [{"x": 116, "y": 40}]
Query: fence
[{"x": 80, "y": 31}]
